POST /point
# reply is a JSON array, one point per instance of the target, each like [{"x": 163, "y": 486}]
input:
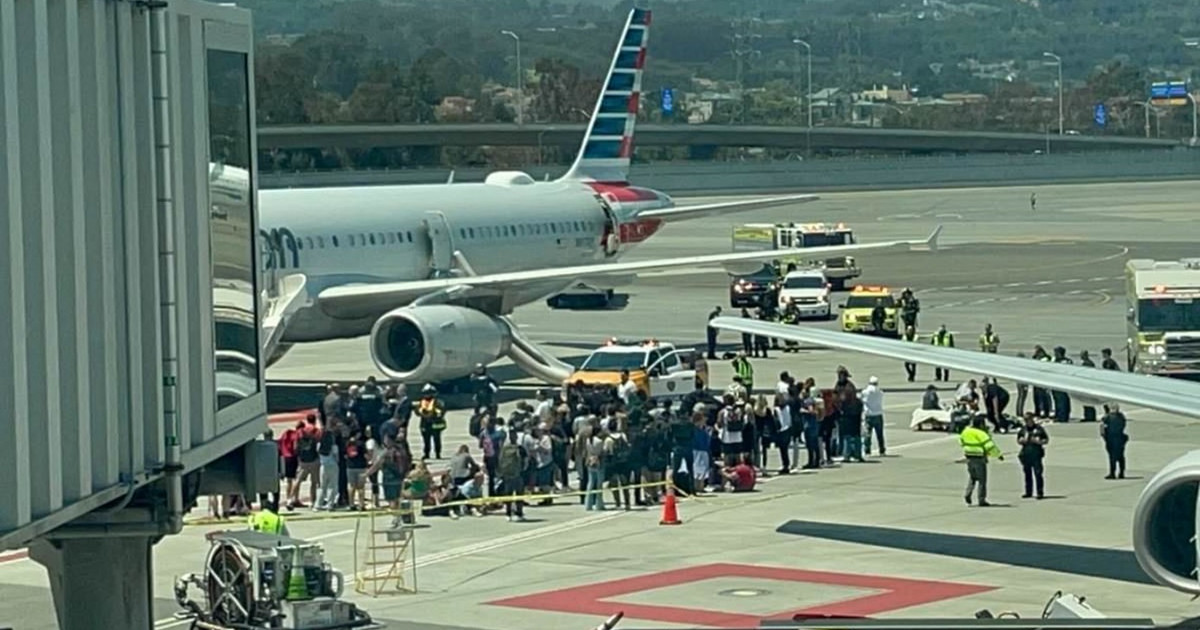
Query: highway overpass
[{"x": 701, "y": 137}]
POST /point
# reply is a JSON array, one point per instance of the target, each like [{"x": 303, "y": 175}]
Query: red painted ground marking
[
  {"x": 893, "y": 594},
  {"x": 13, "y": 556}
]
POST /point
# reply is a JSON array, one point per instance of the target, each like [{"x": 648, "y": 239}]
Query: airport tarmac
[{"x": 1051, "y": 276}]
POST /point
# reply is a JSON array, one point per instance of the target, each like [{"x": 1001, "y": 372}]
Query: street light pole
[
  {"x": 1058, "y": 62},
  {"x": 808, "y": 78},
  {"x": 520, "y": 79},
  {"x": 1192, "y": 98}
]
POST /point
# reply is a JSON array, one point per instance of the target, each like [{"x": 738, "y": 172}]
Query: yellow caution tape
[{"x": 483, "y": 501}]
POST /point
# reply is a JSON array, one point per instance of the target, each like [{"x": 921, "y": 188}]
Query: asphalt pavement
[{"x": 852, "y": 539}]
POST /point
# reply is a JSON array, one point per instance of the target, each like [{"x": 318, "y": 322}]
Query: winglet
[{"x": 932, "y": 242}]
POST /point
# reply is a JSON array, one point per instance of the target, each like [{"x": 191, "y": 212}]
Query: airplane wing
[
  {"x": 359, "y": 298},
  {"x": 686, "y": 213},
  {"x": 1152, "y": 392}
]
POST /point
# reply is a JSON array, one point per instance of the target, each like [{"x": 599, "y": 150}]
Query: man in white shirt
[
  {"x": 872, "y": 398},
  {"x": 545, "y": 407},
  {"x": 968, "y": 394},
  {"x": 784, "y": 384},
  {"x": 627, "y": 388}
]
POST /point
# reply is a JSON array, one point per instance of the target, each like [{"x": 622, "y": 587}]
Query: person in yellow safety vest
[
  {"x": 977, "y": 446},
  {"x": 432, "y": 413},
  {"x": 989, "y": 341},
  {"x": 742, "y": 367},
  {"x": 268, "y": 522},
  {"x": 945, "y": 339}
]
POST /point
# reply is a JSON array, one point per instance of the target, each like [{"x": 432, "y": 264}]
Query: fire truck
[
  {"x": 1163, "y": 316},
  {"x": 754, "y": 237}
]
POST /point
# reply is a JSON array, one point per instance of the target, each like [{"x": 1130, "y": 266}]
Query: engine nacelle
[
  {"x": 1164, "y": 525},
  {"x": 436, "y": 342}
]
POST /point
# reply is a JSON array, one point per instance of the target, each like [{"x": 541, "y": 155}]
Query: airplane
[
  {"x": 1165, "y": 536},
  {"x": 432, "y": 272}
]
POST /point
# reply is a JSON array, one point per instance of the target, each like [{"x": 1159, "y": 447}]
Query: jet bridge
[{"x": 130, "y": 336}]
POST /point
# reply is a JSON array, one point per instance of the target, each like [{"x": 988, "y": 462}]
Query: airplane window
[
  {"x": 320, "y": 242},
  {"x": 409, "y": 236},
  {"x": 362, "y": 240},
  {"x": 554, "y": 228},
  {"x": 372, "y": 239},
  {"x": 333, "y": 240},
  {"x": 471, "y": 232},
  {"x": 462, "y": 232}
]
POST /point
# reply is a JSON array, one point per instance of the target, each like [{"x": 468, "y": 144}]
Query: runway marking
[
  {"x": 885, "y": 594},
  {"x": 1043, "y": 282},
  {"x": 1015, "y": 284},
  {"x": 1072, "y": 280}
]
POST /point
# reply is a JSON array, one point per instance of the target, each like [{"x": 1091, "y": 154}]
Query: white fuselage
[{"x": 340, "y": 236}]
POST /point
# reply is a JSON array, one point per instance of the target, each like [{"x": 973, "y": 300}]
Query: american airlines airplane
[
  {"x": 432, "y": 272},
  {"x": 1166, "y": 541}
]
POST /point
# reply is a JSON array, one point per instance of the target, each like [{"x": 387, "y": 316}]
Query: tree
[{"x": 561, "y": 92}]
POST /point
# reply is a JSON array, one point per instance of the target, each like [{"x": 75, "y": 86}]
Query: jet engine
[
  {"x": 436, "y": 342},
  {"x": 1164, "y": 525}
]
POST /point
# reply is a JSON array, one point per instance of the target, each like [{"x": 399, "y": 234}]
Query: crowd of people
[{"x": 594, "y": 443}]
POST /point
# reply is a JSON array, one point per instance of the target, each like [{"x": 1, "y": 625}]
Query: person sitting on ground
[
  {"x": 418, "y": 483},
  {"x": 930, "y": 401},
  {"x": 742, "y": 477}
]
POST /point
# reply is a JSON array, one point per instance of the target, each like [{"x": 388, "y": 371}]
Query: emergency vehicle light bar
[{"x": 869, "y": 289}]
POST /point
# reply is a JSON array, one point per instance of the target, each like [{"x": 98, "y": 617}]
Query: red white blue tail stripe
[{"x": 607, "y": 147}]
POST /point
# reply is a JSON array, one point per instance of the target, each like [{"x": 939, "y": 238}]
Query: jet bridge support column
[{"x": 99, "y": 582}]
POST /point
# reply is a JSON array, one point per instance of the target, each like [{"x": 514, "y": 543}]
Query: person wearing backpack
[
  {"x": 620, "y": 457},
  {"x": 309, "y": 462},
  {"x": 327, "y": 453},
  {"x": 511, "y": 467},
  {"x": 596, "y": 454}
]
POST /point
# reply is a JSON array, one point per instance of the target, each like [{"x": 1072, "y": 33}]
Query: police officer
[
  {"x": 1033, "y": 440},
  {"x": 1062, "y": 402},
  {"x": 910, "y": 368},
  {"x": 1089, "y": 412},
  {"x": 711, "y": 333},
  {"x": 747, "y": 338},
  {"x": 432, "y": 414},
  {"x": 1041, "y": 397},
  {"x": 1107, "y": 362},
  {"x": 945, "y": 339},
  {"x": 977, "y": 446},
  {"x": 989, "y": 341},
  {"x": 910, "y": 306},
  {"x": 1112, "y": 430}
]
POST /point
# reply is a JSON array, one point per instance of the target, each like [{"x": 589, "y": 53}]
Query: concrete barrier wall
[{"x": 851, "y": 173}]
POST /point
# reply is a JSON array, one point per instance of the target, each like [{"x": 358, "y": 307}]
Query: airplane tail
[{"x": 607, "y": 146}]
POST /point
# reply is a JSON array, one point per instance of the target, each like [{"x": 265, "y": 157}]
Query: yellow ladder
[{"x": 385, "y": 551}]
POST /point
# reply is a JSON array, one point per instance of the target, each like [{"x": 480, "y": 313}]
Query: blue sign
[
  {"x": 668, "y": 100},
  {"x": 1100, "y": 113},
  {"x": 1175, "y": 92}
]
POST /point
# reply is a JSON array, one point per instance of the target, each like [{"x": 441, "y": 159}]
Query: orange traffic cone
[{"x": 670, "y": 513}]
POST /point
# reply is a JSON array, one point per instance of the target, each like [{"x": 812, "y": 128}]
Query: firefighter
[
  {"x": 945, "y": 339},
  {"x": 989, "y": 341},
  {"x": 432, "y": 414}
]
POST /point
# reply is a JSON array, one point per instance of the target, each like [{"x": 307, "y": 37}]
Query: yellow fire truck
[
  {"x": 754, "y": 237},
  {"x": 1163, "y": 316}
]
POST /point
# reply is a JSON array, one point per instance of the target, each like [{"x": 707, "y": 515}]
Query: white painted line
[
  {"x": 1015, "y": 284},
  {"x": 1043, "y": 282},
  {"x": 330, "y": 535},
  {"x": 986, "y": 286},
  {"x": 1073, "y": 280}
]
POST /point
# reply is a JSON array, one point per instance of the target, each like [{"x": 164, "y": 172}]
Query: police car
[
  {"x": 861, "y": 303},
  {"x": 657, "y": 368}
]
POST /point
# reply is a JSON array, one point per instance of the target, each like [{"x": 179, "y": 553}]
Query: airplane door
[
  {"x": 610, "y": 240},
  {"x": 441, "y": 247}
]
